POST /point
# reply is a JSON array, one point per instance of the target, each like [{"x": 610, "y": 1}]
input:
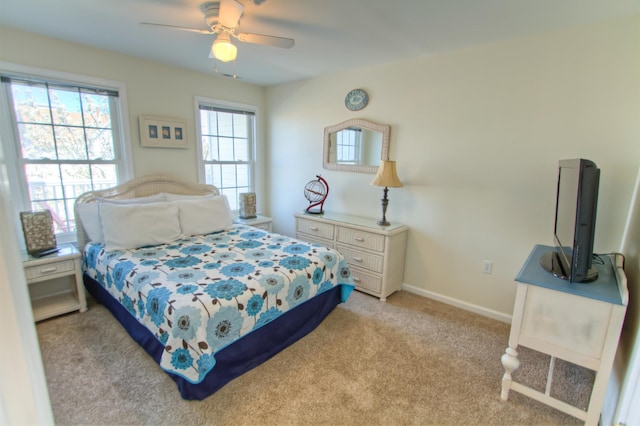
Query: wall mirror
[{"x": 356, "y": 146}]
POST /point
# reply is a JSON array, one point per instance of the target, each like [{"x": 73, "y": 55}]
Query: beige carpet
[{"x": 409, "y": 361}]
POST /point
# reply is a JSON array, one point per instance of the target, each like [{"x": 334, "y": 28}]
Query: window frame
[
  {"x": 354, "y": 143},
  {"x": 11, "y": 143},
  {"x": 253, "y": 160}
]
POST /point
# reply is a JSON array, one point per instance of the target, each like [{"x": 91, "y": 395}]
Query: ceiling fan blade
[
  {"x": 230, "y": 13},
  {"x": 174, "y": 27},
  {"x": 266, "y": 40}
]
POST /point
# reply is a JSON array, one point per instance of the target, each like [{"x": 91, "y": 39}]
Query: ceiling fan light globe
[{"x": 223, "y": 50}]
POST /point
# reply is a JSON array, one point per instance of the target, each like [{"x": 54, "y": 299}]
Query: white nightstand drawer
[
  {"x": 359, "y": 238},
  {"x": 34, "y": 272},
  {"x": 316, "y": 229},
  {"x": 373, "y": 262},
  {"x": 262, "y": 222},
  {"x": 265, "y": 226}
]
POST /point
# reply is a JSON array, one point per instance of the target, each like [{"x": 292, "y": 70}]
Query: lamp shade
[
  {"x": 387, "y": 175},
  {"x": 222, "y": 49}
]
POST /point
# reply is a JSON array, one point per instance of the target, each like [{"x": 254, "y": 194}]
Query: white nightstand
[
  {"x": 65, "y": 263},
  {"x": 262, "y": 222}
]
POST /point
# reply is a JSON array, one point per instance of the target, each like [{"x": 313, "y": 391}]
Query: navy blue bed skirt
[{"x": 246, "y": 353}]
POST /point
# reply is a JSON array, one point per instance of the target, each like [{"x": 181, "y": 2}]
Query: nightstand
[
  {"x": 262, "y": 222},
  {"x": 67, "y": 262}
]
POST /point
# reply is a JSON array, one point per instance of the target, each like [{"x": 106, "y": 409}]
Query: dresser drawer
[
  {"x": 316, "y": 229},
  {"x": 366, "y": 281},
  {"x": 370, "y": 261},
  {"x": 311, "y": 239},
  {"x": 363, "y": 239},
  {"x": 34, "y": 272}
]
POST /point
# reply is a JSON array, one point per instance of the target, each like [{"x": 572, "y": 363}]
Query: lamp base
[{"x": 385, "y": 203}]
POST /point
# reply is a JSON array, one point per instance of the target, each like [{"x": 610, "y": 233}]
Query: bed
[{"x": 206, "y": 298}]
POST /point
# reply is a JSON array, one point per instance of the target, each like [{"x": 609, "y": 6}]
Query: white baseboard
[{"x": 458, "y": 303}]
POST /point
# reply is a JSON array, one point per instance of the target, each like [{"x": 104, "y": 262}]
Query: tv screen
[{"x": 575, "y": 219}]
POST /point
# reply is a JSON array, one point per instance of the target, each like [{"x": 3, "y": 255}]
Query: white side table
[
  {"x": 262, "y": 222},
  {"x": 577, "y": 322},
  {"x": 67, "y": 262}
]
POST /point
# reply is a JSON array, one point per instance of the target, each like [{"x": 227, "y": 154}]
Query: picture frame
[
  {"x": 37, "y": 227},
  {"x": 247, "y": 205},
  {"x": 162, "y": 132}
]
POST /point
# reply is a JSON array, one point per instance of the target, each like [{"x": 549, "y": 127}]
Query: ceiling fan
[{"x": 222, "y": 17}]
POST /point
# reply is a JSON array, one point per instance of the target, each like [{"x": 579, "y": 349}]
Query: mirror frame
[{"x": 385, "y": 129}]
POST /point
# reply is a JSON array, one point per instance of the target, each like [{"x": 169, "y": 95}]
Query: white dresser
[{"x": 375, "y": 253}]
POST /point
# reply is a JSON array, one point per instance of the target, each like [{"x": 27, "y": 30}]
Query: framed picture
[
  {"x": 247, "y": 202},
  {"x": 162, "y": 132},
  {"x": 38, "y": 231}
]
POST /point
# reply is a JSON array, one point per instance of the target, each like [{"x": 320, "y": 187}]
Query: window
[
  {"x": 68, "y": 140},
  {"x": 348, "y": 145},
  {"x": 226, "y": 149}
]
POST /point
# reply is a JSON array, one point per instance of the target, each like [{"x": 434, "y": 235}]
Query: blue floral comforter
[{"x": 200, "y": 294}]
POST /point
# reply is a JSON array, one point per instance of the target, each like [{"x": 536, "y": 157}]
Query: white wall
[
  {"x": 152, "y": 88},
  {"x": 24, "y": 398},
  {"x": 621, "y": 404},
  {"x": 477, "y": 135}
]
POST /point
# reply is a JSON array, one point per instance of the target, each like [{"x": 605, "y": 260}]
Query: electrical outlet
[{"x": 487, "y": 266}]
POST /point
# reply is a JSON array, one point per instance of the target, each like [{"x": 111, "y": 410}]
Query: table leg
[{"x": 510, "y": 362}]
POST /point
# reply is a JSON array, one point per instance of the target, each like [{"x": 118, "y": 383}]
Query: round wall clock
[{"x": 356, "y": 100}]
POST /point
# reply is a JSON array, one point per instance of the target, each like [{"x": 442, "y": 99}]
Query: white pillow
[
  {"x": 90, "y": 221},
  {"x": 204, "y": 216},
  {"x": 90, "y": 217},
  {"x": 180, "y": 197},
  {"x": 127, "y": 226}
]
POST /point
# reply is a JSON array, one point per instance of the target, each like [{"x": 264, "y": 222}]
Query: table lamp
[{"x": 386, "y": 177}]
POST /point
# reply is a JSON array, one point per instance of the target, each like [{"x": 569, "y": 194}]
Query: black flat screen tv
[{"x": 575, "y": 222}]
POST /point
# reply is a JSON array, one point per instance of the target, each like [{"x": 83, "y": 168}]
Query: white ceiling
[{"x": 331, "y": 35}]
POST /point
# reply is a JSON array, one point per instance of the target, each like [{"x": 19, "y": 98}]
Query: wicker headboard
[{"x": 140, "y": 187}]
